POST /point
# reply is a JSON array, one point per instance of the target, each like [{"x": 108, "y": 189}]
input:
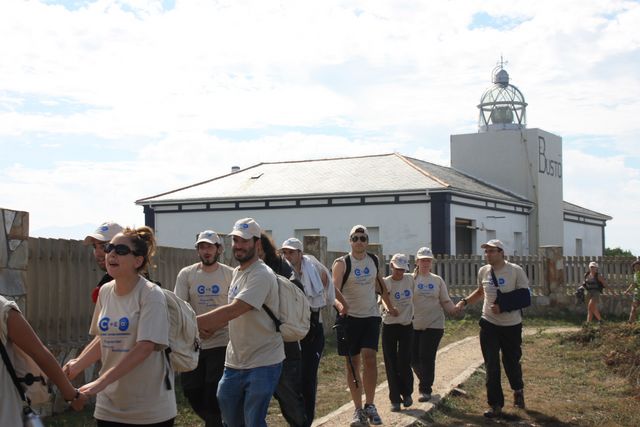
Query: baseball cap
[
  {"x": 209, "y": 236},
  {"x": 292, "y": 243},
  {"x": 424, "y": 252},
  {"x": 493, "y": 243},
  {"x": 400, "y": 261},
  {"x": 246, "y": 228},
  {"x": 358, "y": 229},
  {"x": 104, "y": 233},
  {"x": 593, "y": 264}
]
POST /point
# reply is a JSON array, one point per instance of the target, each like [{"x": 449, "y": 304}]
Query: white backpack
[
  {"x": 184, "y": 340},
  {"x": 294, "y": 318}
]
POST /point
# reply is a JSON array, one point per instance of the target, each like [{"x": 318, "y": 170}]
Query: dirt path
[{"x": 454, "y": 364}]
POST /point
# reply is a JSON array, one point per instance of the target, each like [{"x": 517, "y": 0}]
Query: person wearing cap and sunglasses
[
  {"x": 320, "y": 291},
  {"x": 359, "y": 318},
  {"x": 635, "y": 288},
  {"x": 594, "y": 283},
  {"x": 500, "y": 332},
  {"x": 255, "y": 351},
  {"x": 131, "y": 323},
  {"x": 103, "y": 235},
  {"x": 430, "y": 299},
  {"x": 205, "y": 286},
  {"x": 396, "y": 334},
  {"x": 98, "y": 239}
]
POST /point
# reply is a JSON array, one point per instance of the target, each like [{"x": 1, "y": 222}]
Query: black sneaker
[
  {"x": 424, "y": 397},
  {"x": 493, "y": 412},
  {"x": 395, "y": 407},
  {"x": 407, "y": 401},
  {"x": 518, "y": 399}
]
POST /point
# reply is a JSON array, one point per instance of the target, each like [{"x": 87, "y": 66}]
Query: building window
[
  {"x": 491, "y": 234},
  {"x": 578, "y": 247},
  {"x": 299, "y": 233},
  {"x": 518, "y": 249},
  {"x": 465, "y": 234},
  {"x": 374, "y": 234}
]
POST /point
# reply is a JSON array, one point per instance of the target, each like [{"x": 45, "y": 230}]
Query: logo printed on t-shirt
[
  {"x": 431, "y": 286},
  {"x": 215, "y": 289},
  {"x": 103, "y": 324},
  {"x": 407, "y": 293},
  {"x": 357, "y": 272},
  {"x": 123, "y": 324},
  {"x": 201, "y": 289}
]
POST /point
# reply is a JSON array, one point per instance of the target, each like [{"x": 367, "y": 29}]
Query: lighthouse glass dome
[{"x": 502, "y": 106}]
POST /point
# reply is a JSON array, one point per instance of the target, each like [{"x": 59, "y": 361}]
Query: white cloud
[{"x": 315, "y": 79}]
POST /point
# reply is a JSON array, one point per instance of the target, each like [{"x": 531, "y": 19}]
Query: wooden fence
[
  {"x": 60, "y": 278},
  {"x": 62, "y": 273}
]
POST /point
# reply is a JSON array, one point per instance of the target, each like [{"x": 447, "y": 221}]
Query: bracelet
[
  {"x": 464, "y": 301},
  {"x": 69, "y": 402}
]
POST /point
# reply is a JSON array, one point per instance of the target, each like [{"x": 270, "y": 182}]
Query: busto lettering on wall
[{"x": 545, "y": 165}]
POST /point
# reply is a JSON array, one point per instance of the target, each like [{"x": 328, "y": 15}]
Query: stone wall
[{"x": 14, "y": 254}]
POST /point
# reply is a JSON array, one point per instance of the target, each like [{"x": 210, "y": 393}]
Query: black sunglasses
[
  {"x": 361, "y": 238},
  {"x": 120, "y": 249}
]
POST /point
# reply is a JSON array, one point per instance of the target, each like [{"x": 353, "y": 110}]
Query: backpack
[
  {"x": 294, "y": 317},
  {"x": 347, "y": 268},
  {"x": 32, "y": 382},
  {"x": 184, "y": 340}
]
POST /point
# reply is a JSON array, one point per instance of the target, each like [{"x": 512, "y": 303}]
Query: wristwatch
[
  {"x": 69, "y": 402},
  {"x": 464, "y": 301}
]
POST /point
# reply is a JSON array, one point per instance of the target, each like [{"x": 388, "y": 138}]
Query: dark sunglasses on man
[{"x": 361, "y": 238}]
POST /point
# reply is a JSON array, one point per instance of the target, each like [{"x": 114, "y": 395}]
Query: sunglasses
[
  {"x": 361, "y": 238},
  {"x": 120, "y": 249}
]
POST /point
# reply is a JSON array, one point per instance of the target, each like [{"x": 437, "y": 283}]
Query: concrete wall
[
  {"x": 402, "y": 228},
  {"x": 527, "y": 163},
  {"x": 505, "y": 226},
  {"x": 591, "y": 236}
]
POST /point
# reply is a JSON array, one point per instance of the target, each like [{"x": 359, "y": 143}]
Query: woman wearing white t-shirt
[
  {"x": 135, "y": 386},
  {"x": 430, "y": 297}
]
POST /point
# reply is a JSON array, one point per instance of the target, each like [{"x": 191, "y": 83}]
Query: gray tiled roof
[
  {"x": 388, "y": 173},
  {"x": 579, "y": 210}
]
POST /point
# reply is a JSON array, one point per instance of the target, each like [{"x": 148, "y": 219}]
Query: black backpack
[{"x": 347, "y": 268}]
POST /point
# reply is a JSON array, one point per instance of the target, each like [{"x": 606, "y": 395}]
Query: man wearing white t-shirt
[
  {"x": 499, "y": 331},
  {"x": 360, "y": 321},
  {"x": 205, "y": 286},
  {"x": 255, "y": 352}
]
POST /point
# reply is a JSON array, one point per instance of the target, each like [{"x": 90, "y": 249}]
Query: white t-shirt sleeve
[
  {"x": 182, "y": 285},
  {"x": 444, "y": 293},
  {"x": 256, "y": 289}
]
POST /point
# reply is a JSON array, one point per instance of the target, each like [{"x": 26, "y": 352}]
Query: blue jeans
[{"x": 244, "y": 394}]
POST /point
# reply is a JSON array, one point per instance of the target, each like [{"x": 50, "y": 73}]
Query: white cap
[
  {"x": 424, "y": 252},
  {"x": 292, "y": 243},
  {"x": 246, "y": 228},
  {"x": 209, "y": 236},
  {"x": 358, "y": 229},
  {"x": 493, "y": 243},
  {"x": 400, "y": 261},
  {"x": 104, "y": 233},
  {"x": 593, "y": 264}
]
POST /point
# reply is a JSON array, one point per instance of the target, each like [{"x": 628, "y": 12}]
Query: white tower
[{"x": 526, "y": 162}]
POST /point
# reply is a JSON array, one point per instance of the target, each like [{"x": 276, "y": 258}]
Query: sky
[{"x": 106, "y": 102}]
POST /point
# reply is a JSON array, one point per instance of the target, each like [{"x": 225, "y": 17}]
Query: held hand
[
  {"x": 394, "y": 311},
  {"x": 92, "y": 388},
  {"x": 343, "y": 309},
  {"x": 460, "y": 306},
  {"x": 78, "y": 404},
  {"x": 70, "y": 369}
]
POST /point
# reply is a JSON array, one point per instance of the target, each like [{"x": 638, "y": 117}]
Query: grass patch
[{"x": 589, "y": 378}]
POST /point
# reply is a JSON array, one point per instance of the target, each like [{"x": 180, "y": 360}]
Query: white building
[{"x": 505, "y": 182}]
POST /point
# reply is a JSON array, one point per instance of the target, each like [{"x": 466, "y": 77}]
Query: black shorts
[{"x": 356, "y": 333}]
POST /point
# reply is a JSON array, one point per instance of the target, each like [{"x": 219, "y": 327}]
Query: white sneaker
[{"x": 359, "y": 419}]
